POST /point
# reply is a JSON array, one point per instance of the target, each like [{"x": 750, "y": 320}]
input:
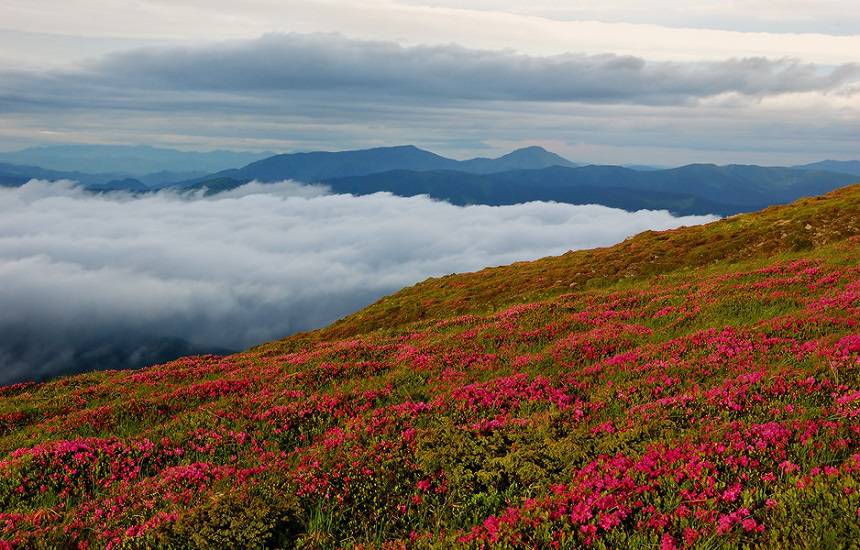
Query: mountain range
[
  {"x": 128, "y": 160},
  {"x": 322, "y": 166},
  {"x": 693, "y": 189},
  {"x": 851, "y": 167},
  {"x": 692, "y": 388},
  {"x": 540, "y": 176},
  {"x": 527, "y": 174},
  {"x": 12, "y": 175}
]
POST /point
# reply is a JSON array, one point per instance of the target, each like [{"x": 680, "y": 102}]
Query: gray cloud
[
  {"x": 311, "y": 92},
  {"x": 278, "y": 68},
  {"x": 92, "y": 281}
]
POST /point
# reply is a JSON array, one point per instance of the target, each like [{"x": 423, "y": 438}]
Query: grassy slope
[{"x": 694, "y": 387}]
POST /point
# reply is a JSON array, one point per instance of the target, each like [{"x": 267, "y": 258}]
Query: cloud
[
  {"x": 98, "y": 281},
  {"x": 251, "y": 75},
  {"x": 290, "y": 92},
  {"x": 661, "y": 28},
  {"x": 837, "y": 17},
  {"x": 294, "y": 62}
]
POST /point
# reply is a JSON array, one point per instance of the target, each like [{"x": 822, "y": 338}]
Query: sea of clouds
[{"x": 93, "y": 281}]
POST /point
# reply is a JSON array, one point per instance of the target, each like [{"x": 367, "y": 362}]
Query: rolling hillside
[{"x": 690, "y": 388}]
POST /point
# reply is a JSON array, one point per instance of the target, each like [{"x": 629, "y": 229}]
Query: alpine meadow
[{"x": 426, "y": 274}]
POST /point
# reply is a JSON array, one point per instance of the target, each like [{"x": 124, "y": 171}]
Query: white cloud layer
[{"x": 80, "y": 273}]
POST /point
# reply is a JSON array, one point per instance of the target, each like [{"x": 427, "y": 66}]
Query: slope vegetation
[{"x": 692, "y": 388}]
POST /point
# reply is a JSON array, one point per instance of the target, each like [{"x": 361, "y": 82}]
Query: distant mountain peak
[
  {"x": 407, "y": 147},
  {"x": 530, "y": 149},
  {"x": 536, "y": 152},
  {"x": 525, "y": 158}
]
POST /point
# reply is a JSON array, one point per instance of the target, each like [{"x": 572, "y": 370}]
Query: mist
[{"x": 95, "y": 281}]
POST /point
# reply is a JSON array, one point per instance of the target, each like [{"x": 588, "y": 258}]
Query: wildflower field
[{"x": 695, "y": 388}]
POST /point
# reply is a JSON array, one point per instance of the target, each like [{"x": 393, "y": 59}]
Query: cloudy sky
[
  {"x": 662, "y": 82},
  {"x": 95, "y": 281}
]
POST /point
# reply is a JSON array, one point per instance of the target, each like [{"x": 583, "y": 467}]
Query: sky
[
  {"x": 628, "y": 82},
  {"x": 104, "y": 281}
]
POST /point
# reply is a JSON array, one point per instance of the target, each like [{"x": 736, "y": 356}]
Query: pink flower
[
  {"x": 787, "y": 467},
  {"x": 731, "y": 494},
  {"x": 491, "y": 524},
  {"x": 690, "y": 536}
]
